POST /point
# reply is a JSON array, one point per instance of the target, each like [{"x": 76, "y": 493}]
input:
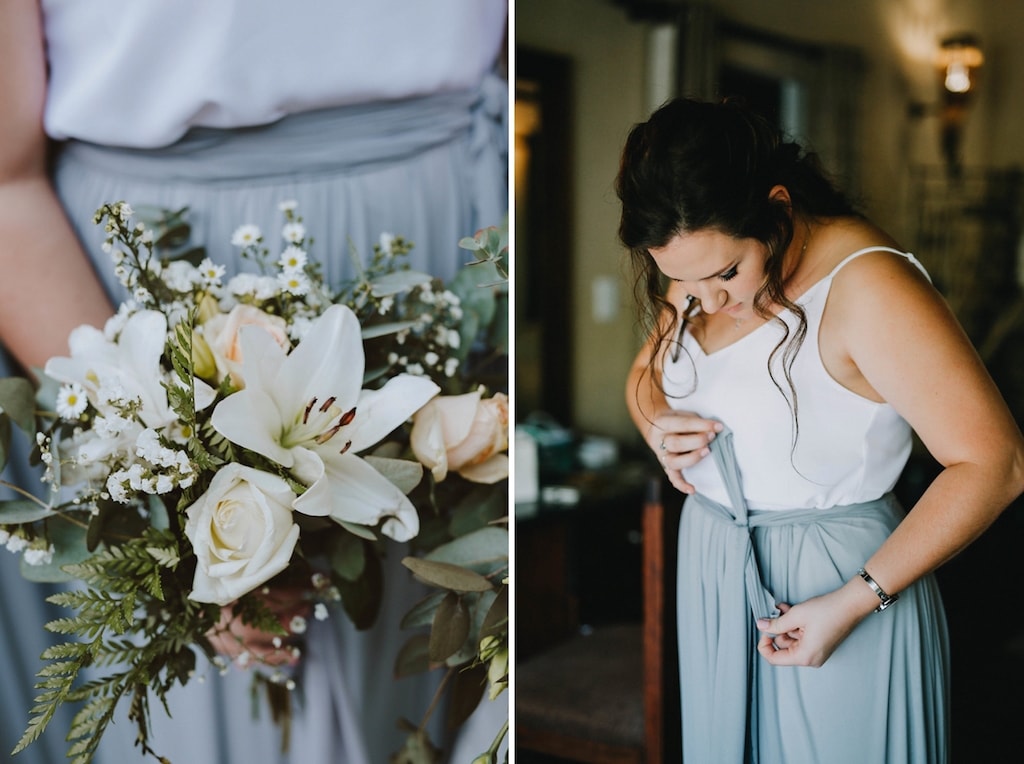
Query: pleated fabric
[
  {"x": 431, "y": 169},
  {"x": 881, "y": 697}
]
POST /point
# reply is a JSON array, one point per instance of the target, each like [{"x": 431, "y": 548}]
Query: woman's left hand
[
  {"x": 808, "y": 633},
  {"x": 233, "y": 638}
]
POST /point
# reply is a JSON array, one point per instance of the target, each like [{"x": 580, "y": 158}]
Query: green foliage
[{"x": 129, "y": 589}]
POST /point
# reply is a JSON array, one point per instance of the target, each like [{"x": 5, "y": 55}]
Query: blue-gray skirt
[
  {"x": 432, "y": 170},
  {"x": 881, "y": 697}
]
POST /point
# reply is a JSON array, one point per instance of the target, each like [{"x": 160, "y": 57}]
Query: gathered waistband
[{"x": 358, "y": 137}]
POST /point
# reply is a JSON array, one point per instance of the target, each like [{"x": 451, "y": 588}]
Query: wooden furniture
[{"x": 610, "y": 694}]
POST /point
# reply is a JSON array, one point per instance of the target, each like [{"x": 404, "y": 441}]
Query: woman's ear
[{"x": 781, "y": 194}]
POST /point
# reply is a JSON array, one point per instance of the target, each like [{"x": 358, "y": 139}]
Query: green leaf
[
  {"x": 479, "y": 605},
  {"x": 478, "y": 509},
  {"x": 362, "y": 531},
  {"x": 382, "y": 330},
  {"x": 23, "y": 511},
  {"x": 397, "y": 282},
  {"x": 479, "y": 550},
  {"x": 5, "y": 438},
  {"x": 362, "y": 598},
  {"x": 450, "y": 628},
  {"x": 68, "y": 539},
  {"x": 158, "y": 516},
  {"x": 348, "y": 555},
  {"x": 447, "y": 576},
  {"x": 422, "y": 613},
  {"x": 467, "y": 689},
  {"x": 404, "y": 473},
  {"x": 497, "y": 615},
  {"x": 18, "y": 400},
  {"x": 412, "y": 657}
]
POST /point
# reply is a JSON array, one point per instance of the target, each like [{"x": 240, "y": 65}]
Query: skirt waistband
[
  {"x": 766, "y": 518},
  {"x": 351, "y": 138}
]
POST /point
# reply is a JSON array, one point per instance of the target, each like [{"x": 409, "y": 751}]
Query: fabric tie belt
[{"x": 743, "y": 521}]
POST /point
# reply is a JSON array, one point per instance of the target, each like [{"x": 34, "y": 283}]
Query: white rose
[
  {"x": 242, "y": 532},
  {"x": 464, "y": 434},
  {"x": 221, "y": 333}
]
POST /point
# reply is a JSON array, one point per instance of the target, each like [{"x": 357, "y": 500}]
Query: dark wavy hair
[{"x": 696, "y": 165}]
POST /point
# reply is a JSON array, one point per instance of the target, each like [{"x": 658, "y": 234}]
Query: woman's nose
[{"x": 711, "y": 299}]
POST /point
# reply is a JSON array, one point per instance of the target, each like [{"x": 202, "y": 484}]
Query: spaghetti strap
[{"x": 879, "y": 248}]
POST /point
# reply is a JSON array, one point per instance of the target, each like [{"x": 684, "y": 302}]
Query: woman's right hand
[{"x": 680, "y": 439}]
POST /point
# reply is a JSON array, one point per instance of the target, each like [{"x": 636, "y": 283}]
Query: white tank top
[
  {"x": 140, "y": 73},
  {"x": 849, "y": 449}
]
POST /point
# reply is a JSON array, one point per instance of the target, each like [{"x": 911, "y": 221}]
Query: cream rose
[
  {"x": 464, "y": 434},
  {"x": 221, "y": 335},
  {"x": 242, "y": 532}
]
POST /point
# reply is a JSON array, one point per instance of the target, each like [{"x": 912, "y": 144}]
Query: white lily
[
  {"x": 132, "y": 363},
  {"x": 307, "y": 411}
]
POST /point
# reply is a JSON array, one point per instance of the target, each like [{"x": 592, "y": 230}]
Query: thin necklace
[{"x": 738, "y": 322}]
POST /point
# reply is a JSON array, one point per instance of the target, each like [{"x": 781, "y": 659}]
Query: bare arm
[
  {"x": 48, "y": 285},
  {"x": 909, "y": 348},
  {"x": 684, "y": 435}
]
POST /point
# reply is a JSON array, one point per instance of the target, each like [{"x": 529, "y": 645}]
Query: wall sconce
[{"x": 958, "y": 62}]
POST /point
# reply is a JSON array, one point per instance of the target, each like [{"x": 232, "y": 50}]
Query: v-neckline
[{"x": 799, "y": 301}]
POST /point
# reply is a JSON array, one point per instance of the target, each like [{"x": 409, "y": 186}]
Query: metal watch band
[{"x": 886, "y": 599}]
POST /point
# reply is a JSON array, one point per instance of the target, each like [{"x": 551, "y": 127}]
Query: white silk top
[
  {"x": 849, "y": 449},
  {"x": 141, "y": 73}
]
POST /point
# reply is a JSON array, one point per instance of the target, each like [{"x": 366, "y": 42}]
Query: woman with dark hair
[{"x": 795, "y": 347}]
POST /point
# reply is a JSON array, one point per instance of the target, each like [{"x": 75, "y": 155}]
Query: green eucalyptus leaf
[
  {"x": 412, "y": 657},
  {"x": 403, "y": 473},
  {"x": 398, "y": 282},
  {"x": 449, "y": 629},
  {"x": 355, "y": 529},
  {"x": 474, "y": 298},
  {"x": 68, "y": 539},
  {"x": 479, "y": 605},
  {"x": 482, "y": 550},
  {"x": 422, "y": 613},
  {"x": 18, "y": 400},
  {"x": 5, "y": 438},
  {"x": 46, "y": 393},
  {"x": 362, "y": 598},
  {"x": 382, "y": 330},
  {"x": 478, "y": 509},
  {"x": 467, "y": 690},
  {"x": 496, "y": 619},
  {"x": 498, "y": 337},
  {"x": 158, "y": 516},
  {"x": 347, "y": 555},
  {"x": 447, "y": 576},
  {"x": 23, "y": 511}
]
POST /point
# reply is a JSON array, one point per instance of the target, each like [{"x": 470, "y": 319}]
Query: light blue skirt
[
  {"x": 881, "y": 697},
  {"x": 432, "y": 170}
]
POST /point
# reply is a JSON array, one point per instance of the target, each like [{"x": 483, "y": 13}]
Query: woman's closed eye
[{"x": 729, "y": 275}]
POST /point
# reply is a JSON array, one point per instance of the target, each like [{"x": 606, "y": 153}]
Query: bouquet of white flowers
[{"x": 221, "y": 440}]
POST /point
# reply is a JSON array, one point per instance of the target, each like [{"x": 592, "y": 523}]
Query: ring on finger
[{"x": 663, "y": 447}]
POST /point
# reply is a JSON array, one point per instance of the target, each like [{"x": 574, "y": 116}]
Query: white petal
[
  {"x": 359, "y": 494},
  {"x": 329, "y": 360},
  {"x": 488, "y": 471},
  {"x": 250, "y": 418},
  {"x": 381, "y": 411}
]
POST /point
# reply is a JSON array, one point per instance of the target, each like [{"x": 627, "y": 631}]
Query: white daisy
[
  {"x": 71, "y": 401},
  {"x": 246, "y": 236},
  {"x": 211, "y": 272},
  {"x": 293, "y": 232},
  {"x": 296, "y": 283},
  {"x": 292, "y": 259}
]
